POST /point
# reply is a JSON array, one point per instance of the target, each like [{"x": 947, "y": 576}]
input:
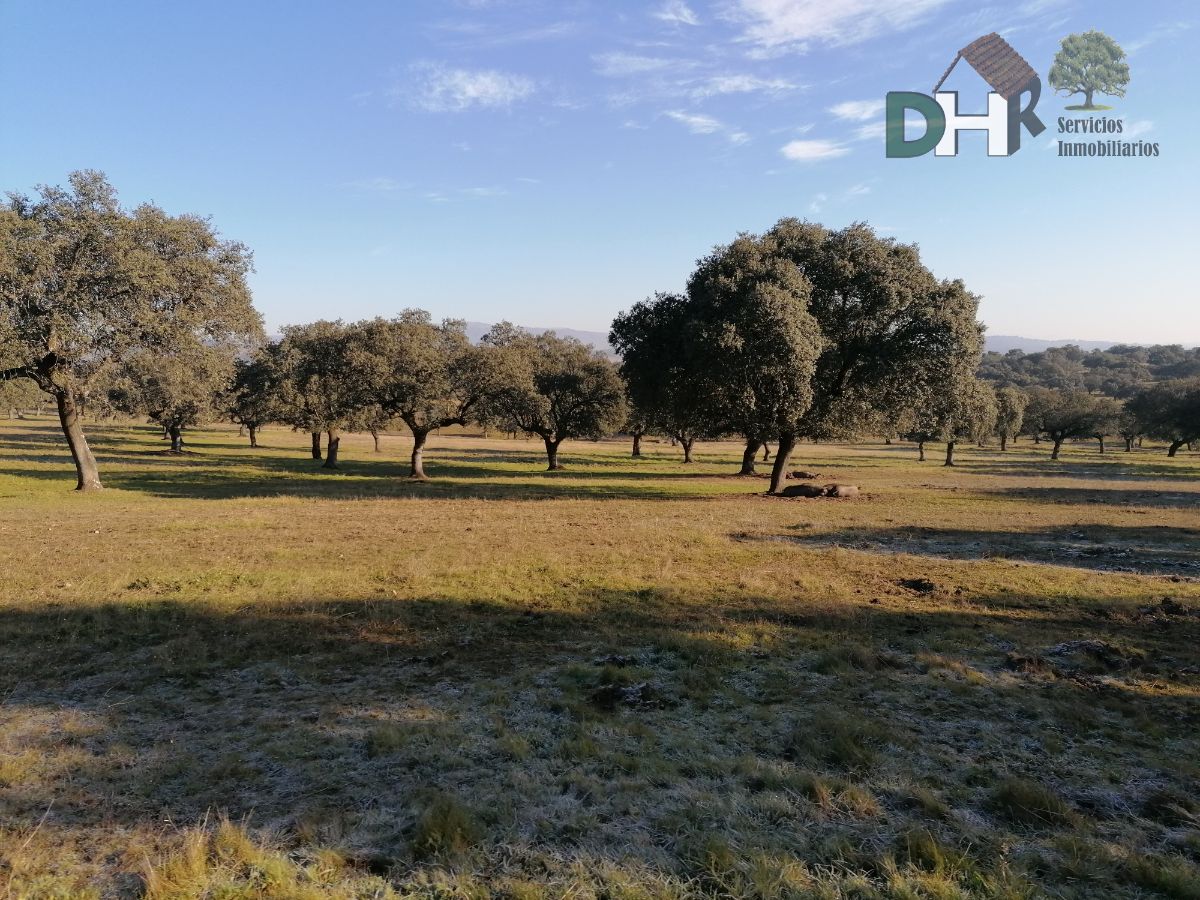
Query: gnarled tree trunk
[
  {"x": 1058, "y": 442},
  {"x": 253, "y": 434},
  {"x": 687, "y": 444},
  {"x": 637, "y": 445},
  {"x": 949, "y": 453},
  {"x": 749, "y": 455},
  {"x": 787, "y": 443},
  {"x": 766, "y": 451},
  {"x": 316, "y": 445},
  {"x": 375, "y": 438},
  {"x": 88, "y": 475},
  {"x": 920, "y": 451},
  {"x": 552, "y": 463},
  {"x": 331, "y": 452},
  {"x": 417, "y": 466},
  {"x": 1003, "y": 442},
  {"x": 1174, "y": 448}
]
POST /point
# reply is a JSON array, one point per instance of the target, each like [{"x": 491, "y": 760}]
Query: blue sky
[{"x": 554, "y": 162}]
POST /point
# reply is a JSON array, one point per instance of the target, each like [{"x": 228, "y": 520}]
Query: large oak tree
[
  {"x": 85, "y": 284},
  {"x": 554, "y": 387},
  {"x": 428, "y": 376}
]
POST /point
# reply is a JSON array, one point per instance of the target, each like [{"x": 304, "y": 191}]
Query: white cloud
[
  {"x": 1137, "y": 129},
  {"x": 452, "y": 90},
  {"x": 741, "y": 84},
  {"x": 792, "y": 24},
  {"x": 857, "y": 110},
  {"x": 378, "y": 185},
  {"x": 617, "y": 65},
  {"x": 876, "y": 131},
  {"x": 857, "y": 190},
  {"x": 818, "y": 203},
  {"x": 696, "y": 123},
  {"x": 677, "y": 12},
  {"x": 813, "y": 151}
]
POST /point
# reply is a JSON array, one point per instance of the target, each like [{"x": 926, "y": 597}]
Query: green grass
[{"x": 234, "y": 675}]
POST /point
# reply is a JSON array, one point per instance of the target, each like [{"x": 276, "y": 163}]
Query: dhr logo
[{"x": 1010, "y": 78}]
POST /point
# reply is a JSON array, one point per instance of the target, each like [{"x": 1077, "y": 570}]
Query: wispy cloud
[
  {"x": 676, "y": 12},
  {"x": 719, "y": 85},
  {"x": 857, "y": 110},
  {"x": 1137, "y": 129},
  {"x": 699, "y": 123},
  {"x": 1166, "y": 31},
  {"x": 619, "y": 64},
  {"x": 477, "y": 34},
  {"x": 442, "y": 89},
  {"x": 780, "y": 25},
  {"x": 696, "y": 123},
  {"x": 813, "y": 151},
  {"x": 380, "y": 185}
]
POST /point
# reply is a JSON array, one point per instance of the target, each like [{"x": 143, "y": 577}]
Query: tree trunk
[
  {"x": 949, "y": 453},
  {"x": 637, "y": 445},
  {"x": 787, "y": 443},
  {"x": 1003, "y": 442},
  {"x": 1174, "y": 448},
  {"x": 687, "y": 448},
  {"x": 88, "y": 475},
  {"x": 316, "y": 445},
  {"x": 1100, "y": 437},
  {"x": 920, "y": 451},
  {"x": 552, "y": 463},
  {"x": 331, "y": 453},
  {"x": 253, "y": 435},
  {"x": 1087, "y": 99},
  {"x": 1058, "y": 442},
  {"x": 766, "y": 451},
  {"x": 242, "y": 429},
  {"x": 417, "y": 466},
  {"x": 749, "y": 455},
  {"x": 1128, "y": 445},
  {"x": 176, "y": 434},
  {"x": 375, "y": 438}
]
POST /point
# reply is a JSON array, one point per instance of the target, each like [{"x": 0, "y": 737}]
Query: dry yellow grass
[{"x": 632, "y": 678}]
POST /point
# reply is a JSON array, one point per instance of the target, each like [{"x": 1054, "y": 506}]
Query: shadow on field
[
  {"x": 206, "y": 470},
  {"x": 132, "y": 713},
  {"x": 1168, "y": 499},
  {"x": 1148, "y": 550}
]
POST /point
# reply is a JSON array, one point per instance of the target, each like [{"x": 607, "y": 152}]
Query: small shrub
[
  {"x": 446, "y": 830},
  {"x": 1025, "y": 802}
]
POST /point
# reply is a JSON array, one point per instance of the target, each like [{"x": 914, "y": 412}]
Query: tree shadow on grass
[
  {"x": 331, "y": 720},
  {"x": 1145, "y": 550}
]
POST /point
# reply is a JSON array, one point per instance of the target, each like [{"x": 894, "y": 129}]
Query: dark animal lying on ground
[{"x": 843, "y": 491}]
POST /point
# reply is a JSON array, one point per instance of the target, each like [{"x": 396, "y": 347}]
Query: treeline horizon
[{"x": 799, "y": 333}]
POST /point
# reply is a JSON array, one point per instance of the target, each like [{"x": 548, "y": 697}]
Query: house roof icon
[{"x": 997, "y": 63}]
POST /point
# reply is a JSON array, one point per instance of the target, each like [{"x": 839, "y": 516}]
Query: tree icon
[{"x": 1088, "y": 63}]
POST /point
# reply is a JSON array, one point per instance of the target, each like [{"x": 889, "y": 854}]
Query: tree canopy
[
  {"x": 85, "y": 284},
  {"x": 1090, "y": 63},
  {"x": 554, "y": 387}
]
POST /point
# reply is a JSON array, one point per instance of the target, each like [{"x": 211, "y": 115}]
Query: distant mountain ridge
[{"x": 997, "y": 343}]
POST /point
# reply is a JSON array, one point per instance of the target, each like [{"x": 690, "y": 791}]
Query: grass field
[{"x": 234, "y": 675}]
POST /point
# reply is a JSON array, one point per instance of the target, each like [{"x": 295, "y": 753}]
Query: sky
[{"x": 552, "y": 162}]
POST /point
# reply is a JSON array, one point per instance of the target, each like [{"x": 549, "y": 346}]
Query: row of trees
[
  {"x": 1168, "y": 411},
  {"x": 329, "y": 377},
  {"x": 801, "y": 332}
]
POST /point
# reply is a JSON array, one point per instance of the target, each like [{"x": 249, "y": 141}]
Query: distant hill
[{"x": 1002, "y": 343}]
